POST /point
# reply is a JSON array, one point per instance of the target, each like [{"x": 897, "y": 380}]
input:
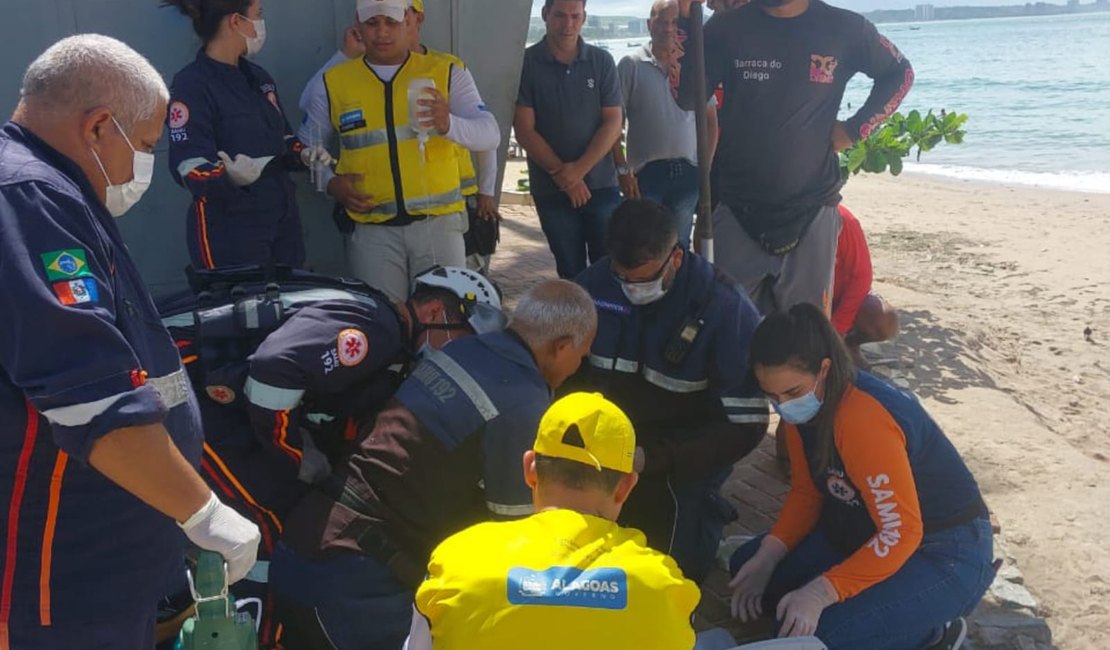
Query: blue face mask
[{"x": 799, "y": 410}]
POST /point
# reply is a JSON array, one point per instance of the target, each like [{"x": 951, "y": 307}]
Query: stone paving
[{"x": 1008, "y": 617}]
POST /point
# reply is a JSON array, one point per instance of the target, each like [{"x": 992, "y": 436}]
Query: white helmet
[{"x": 480, "y": 297}]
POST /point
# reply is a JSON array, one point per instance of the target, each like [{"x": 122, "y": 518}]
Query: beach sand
[{"x": 997, "y": 286}]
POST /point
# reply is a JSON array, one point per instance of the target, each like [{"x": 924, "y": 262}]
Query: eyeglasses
[{"x": 658, "y": 274}]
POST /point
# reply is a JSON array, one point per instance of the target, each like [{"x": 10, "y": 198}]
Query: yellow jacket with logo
[
  {"x": 556, "y": 580},
  {"x": 375, "y": 140}
]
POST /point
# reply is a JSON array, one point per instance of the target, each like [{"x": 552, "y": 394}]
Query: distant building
[
  {"x": 637, "y": 27},
  {"x": 593, "y": 21},
  {"x": 925, "y": 12}
]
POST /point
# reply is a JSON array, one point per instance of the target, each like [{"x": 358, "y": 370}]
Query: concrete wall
[{"x": 302, "y": 34}]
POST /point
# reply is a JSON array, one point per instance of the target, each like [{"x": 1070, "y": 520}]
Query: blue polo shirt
[
  {"x": 568, "y": 100},
  {"x": 82, "y": 353}
]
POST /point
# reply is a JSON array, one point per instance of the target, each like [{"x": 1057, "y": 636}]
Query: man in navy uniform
[
  {"x": 100, "y": 427},
  {"x": 442, "y": 455},
  {"x": 671, "y": 351}
]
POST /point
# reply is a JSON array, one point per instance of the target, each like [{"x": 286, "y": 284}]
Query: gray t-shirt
[
  {"x": 658, "y": 128},
  {"x": 568, "y": 100}
]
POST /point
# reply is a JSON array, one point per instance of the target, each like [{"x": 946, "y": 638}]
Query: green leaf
[{"x": 895, "y": 164}]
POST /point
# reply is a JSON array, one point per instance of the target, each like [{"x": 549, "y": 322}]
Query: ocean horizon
[{"x": 1036, "y": 90}]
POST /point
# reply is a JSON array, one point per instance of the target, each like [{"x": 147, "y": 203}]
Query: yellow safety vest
[
  {"x": 372, "y": 119},
  {"x": 468, "y": 176}
]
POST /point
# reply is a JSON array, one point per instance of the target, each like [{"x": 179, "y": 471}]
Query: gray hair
[
  {"x": 87, "y": 71},
  {"x": 553, "y": 310}
]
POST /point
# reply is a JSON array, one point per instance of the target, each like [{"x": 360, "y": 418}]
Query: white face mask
[
  {"x": 255, "y": 43},
  {"x": 644, "y": 293},
  {"x": 121, "y": 198}
]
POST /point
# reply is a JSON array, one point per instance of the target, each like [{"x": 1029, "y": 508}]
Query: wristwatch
[{"x": 623, "y": 170}]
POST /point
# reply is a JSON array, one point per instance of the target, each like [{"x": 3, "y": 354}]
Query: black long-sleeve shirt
[{"x": 784, "y": 80}]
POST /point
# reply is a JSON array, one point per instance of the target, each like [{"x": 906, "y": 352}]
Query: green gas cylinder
[{"x": 215, "y": 626}]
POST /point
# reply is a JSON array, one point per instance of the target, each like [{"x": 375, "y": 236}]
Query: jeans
[
  {"x": 573, "y": 234},
  {"x": 943, "y": 579},
  {"x": 349, "y": 602},
  {"x": 673, "y": 183}
]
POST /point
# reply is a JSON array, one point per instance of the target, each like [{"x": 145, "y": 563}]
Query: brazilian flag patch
[{"x": 65, "y": 265}]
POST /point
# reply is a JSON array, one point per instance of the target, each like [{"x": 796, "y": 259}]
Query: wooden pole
[{"x": 696, "y": 51}]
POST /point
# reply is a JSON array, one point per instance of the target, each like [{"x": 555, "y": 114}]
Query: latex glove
[
  {"x": 800, "y": 610},
  {"x": 316, "y": 156},
  {"x": 314, "y": 464},
  {"x": 750, "y": 581},
  {"x": 217, "y": 527},
  {"x": 244, "y": 170}
]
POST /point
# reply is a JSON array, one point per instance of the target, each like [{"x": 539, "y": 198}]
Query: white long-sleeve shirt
[{"x": 472, "y": 125}]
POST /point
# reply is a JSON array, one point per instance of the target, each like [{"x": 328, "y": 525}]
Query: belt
[{"x": 971, "y": 512}]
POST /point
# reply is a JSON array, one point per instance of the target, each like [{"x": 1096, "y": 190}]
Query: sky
[{"x": 641, "y": 7}]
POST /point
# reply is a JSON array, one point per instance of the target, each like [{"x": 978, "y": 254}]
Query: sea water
[{"x": 1037, "y": 91}]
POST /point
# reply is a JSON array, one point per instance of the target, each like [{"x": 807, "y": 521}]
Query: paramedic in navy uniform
[
  {"x": 99, "y": 429},
  {"x": 231, "y": 145}
]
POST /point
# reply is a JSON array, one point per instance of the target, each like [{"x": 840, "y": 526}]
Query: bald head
[
  {"x": 558, "y": 321},
  {"x": 661, "y": 6},
  {"x": 663, "y": 23}
]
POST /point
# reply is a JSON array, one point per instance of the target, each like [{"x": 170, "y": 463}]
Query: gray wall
[{"x": 489, "y": 35}]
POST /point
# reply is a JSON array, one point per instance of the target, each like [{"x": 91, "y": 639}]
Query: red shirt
[{"x": 853, "y": 275}]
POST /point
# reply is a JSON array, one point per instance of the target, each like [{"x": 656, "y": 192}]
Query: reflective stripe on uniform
[
  {"x": 271, "y": 397},
  {"x": 672, "y": 384},
  {"x": 466, "y": 382},
  {"x": 190, "y": 164},
  {"x": 364, "y": 140},
  {"x": 744, "y": 403},
  {"x": 510, "y": 511},
  {"x": 79, "y": 415},
  {"x": 173, "y": 388},
  {"x": 415, "y": 204},
  {"x": 608, "y": 363},
  {"x": 750, "y": 419}
]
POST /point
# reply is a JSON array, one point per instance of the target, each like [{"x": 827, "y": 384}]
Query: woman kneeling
[{"x": 884, "y": 541}]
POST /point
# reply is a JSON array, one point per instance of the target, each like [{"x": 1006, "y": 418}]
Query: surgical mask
[
  {"x": 644, "y": 293},
  {"x": 799, "y": 410},
  {"x": 255, "y": 43},
  {"x": 121, "y": 198},
  {"x": 648, "y": 291}
]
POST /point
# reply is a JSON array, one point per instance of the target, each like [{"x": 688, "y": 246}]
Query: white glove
[
  {"x": 216, "y": 527},
  {"x": 316, "y": 156},
  {"x": 314, "y": 464},
  {"x": 244, "y": 170}
]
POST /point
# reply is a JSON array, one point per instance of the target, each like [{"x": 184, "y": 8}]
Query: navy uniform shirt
[
  {"x": 443, "y": 455},
  {"x": 83, "y": 353},
  {"x": 710, "y": 391},
  {"x": 235, "y": 109},
  {"x": 568, "y": 100},
  {"x": 332, "y": 359}
]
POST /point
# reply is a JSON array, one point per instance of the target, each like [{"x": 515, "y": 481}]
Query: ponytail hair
[
  {"x": 802, "y": 338},
  {"x": 208, "y": 14}
]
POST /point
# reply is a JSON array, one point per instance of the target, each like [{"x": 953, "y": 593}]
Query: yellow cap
[
  {"x": 589, "y": 429},
  {"x": 418, "y": 5}
]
